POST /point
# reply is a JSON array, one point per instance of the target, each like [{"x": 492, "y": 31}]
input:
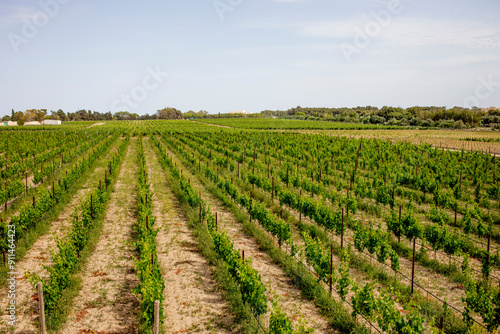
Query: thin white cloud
[
  {"x": 463, "y": 60},
  {"x": 12, "y": 15},
  {"x": 412, "y": 32}
]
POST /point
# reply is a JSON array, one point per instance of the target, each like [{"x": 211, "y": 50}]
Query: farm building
[
  {"x": 45, "y": 122},
  {"x": 51, "y": 122}
]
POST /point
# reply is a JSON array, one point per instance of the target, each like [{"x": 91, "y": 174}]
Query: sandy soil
[
  {"x": 106, "y": 302},
  {"x": 96, "y": 124},
  {"x": 216, "y": 125},
  {"x": 192, "y": 302}
]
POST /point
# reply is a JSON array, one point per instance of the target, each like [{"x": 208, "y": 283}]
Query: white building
[
  {"x": 244, "y": 112},
  {"x": 51, "y": 122},
  {"x": 9, "y": 123},
  {"x": 32, "y": 123}
]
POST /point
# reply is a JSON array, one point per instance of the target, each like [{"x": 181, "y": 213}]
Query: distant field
[
  {"x": 277, "y": 124},
  {"x": 485, "y": 141}
]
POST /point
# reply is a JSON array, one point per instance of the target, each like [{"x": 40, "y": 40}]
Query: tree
[
  {"x": 62, "y": 116},
  {"x": 21, "y": 118},
  {"x": 189, "y": 114},
  {"x": 202, "y": 113},
  {"x": 54, "y": 115},
  {"x": 169, "y": 113},
  {"x": 16, "y": 115},
  {"x": 35, "y": 114}
]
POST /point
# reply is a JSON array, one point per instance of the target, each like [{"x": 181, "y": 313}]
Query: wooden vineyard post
[
  {"x": 487, "y": 273},
  {"x": 53, "y": 193},
  {"x": 272, "y": 194},
  {"x": 7, "y": 196},
  {"x": 331, "y": 268},
  {"x": 455, "y": 214},
  {"x": 238, "y": 170},
  {"x": 216, "y": 221},
  {"x": 460, "y": 181},
  {"x": 243, "y": 255},
  {"x": 200, "y": 206},
  {"x": 33, "y": 202},
  {"x": 91, "y": 207},
  {"x": 156, "y": 322},
  {"x": 4, "y": 259},
  {"x": 342, "y": 231},
  {"x": 441, "y": 324},
  {"x": 300, "y": 211},
  {"x": 399, "y": 232},
  {"x": 147, "y": 222},
  {"x": 41, "y": 308},
  {"x": 413, "y": 265},
  {"x": 287, "y": 181}
]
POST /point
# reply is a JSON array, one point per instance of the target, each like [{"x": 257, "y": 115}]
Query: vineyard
[{"x": 226, "y": 227}]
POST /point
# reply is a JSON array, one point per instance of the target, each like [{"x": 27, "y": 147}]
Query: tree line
[{"x": 456, "y": 117}]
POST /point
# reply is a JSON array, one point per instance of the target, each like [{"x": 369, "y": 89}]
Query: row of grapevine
[
  {"x": 251, "y": 287},
  {"x": 370, "y": 242},
  {"x": 317, "y": 257},
  {"x": 45, "y": 199},
  {"x": 151, "y": 284},
  {"x": 67, "y": 259},
  {"x": 66, "y": 152},
  {"x": 285, "y": 176}
]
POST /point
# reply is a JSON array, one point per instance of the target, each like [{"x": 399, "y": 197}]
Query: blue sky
[{"x": 224, "y": 55}]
